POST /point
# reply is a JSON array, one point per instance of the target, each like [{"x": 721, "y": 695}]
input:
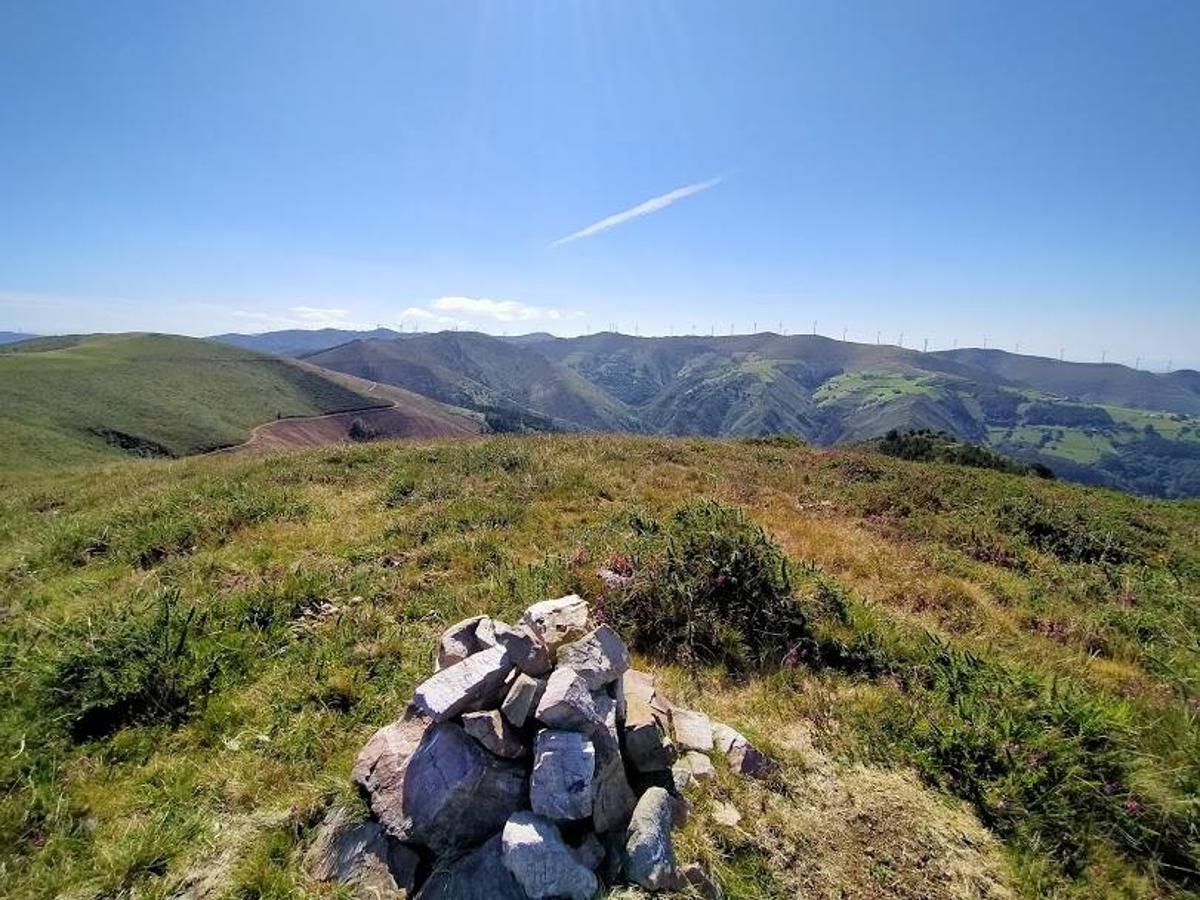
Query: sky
[{"x": 1024, "y": 174}]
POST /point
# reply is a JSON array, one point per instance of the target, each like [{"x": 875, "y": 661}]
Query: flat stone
[
  {"x": 557, "y": 621},
  {"x": 693, "y": 730},
  {"x": 564, "y": 764},
  {"x": 649, "y": 851},
  {"x": 599, "y": 657},
  {"x": 522, "y": 699},
  {"x": 566, "y": 703},
  {"x": 495, "y": 734},
  {"x": 479, "y": 875},
  {"x": 381, "y": 762},
  {"x": 526, "y": 650},
  {"x": 474, "y": 683},
  {"x": 458, "y": 642},
  {"x": 698, "y": 765},
  {"x": 452, "y": 793},
  {"x": 537, "y": 857},
  {"x": 743, "y": 757},
  {"x": 701, "y": 882},
  {"x": 357, "y": 853}
]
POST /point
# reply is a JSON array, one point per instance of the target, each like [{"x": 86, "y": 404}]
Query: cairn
[{"x": 534, "y": 763}]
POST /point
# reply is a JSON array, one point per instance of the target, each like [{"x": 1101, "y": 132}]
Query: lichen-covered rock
[
  {"x": 693, "y": 730},
  {"x": 599, "y": 657},
  {"x": 557, "y": 621},
  {"x": 358, "y": 854},
  {"x": 566, "y": 703},
  {"x": 541, "y": 862},
  {"x": 452, "y": 793},
  {"x": 475, "y": 683},
  {"x": 522, "y": 699},
  {"x": 458, "y": 642},
  {"x": 478, "y": 875},
  {"x": 649, "y": 851},
  {"x": 564, "y": 764},
  {"x": 494, "y": 733},
  {"x": 743, "y": 757}
]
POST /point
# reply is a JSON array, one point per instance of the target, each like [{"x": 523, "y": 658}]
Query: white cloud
[
  {"x": 654, "y": 204},
  {"x": 479, "y": 312},
  {"x": 304, "y": 317}
]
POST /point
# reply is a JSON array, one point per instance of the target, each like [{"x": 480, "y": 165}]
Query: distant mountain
[
  {"x": 1102, "y": 424},
  {"x": 515, "y": 386},
  {"x": 12, "y": 337},
  {"x": 85, "y": 398},
  {"x": 298, "y": 342}
]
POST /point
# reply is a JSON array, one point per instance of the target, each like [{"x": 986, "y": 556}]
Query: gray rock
[
  {"x": 474, "y": 683},
  {"x": 698, "y": 765},
  {"x": 599, "y": 657},
  {"x": 452, "y": 793},
  {"x": 693, "y": 730},
  {"x": 726, "y": 814},
  {"x": 743, "y": 757},
  {"x": 647, "y": 744},
  {"x": 649, "y": 851},
  {"x": 494, "y": 733},
  {"x": 541, "y": 862},
  {"x": 613, "y": 799},
  {"x": 566, "y": 703},
  {"x": 701, "y": 882},
  {"x": 358, "y": 854},
  {"x": 590, "y": 852},
  {"x": 557, "y": 621},
  {"x": 527, "y": 651},
  {"x": 458, "y": 642},
  {"x": 479, "y": 875},
  {"x": 381, "y": 762},
  {"x": 564, "y": 764},
  {"x": 522, "y": 699}
]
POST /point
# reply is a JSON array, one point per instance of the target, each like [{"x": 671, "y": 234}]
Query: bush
[
  {"x": 146, "y": 667},
  {"x": 709, "y": 587}
]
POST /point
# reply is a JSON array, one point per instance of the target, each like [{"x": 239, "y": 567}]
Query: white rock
[
  {"x": 599, "y": 657},
  {"x": 693, "y": 730},
  {"x": 726, "y": 814},
  {"x": 557, "y": 621},
  {"x": 474, "y": 683},
  {"x": 522, "y": 699},
  {"x": 699, "y": 765},
  {"x": 537, "y": 857},
  {"x": 525, "y": 649},
  {"x": 564, "y": 764},
  {"x": 566, "y": 703}
]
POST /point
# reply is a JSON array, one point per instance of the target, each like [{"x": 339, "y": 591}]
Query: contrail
[{"x": 642, "y": 209}]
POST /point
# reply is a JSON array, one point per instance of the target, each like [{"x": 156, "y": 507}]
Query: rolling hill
[
  {"x": 1100, "y": 424},
  {"x": 90, "y": 398},
  {"x": 300, "y": 341},
  {"x": 12, "y": 337}
]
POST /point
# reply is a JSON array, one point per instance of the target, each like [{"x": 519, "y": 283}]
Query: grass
[
  {"x": 997, "y": 677},
  {"x": 82, "y": 400},
  {"x": 875, "y": 387}
]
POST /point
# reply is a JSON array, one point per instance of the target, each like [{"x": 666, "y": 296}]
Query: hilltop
[
  {"x": 990, "y": 692},
  {"x": 90, "y": 398},
  {"x": 1098, "y": 424}
]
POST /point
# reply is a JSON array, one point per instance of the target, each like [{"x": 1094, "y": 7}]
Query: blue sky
[{"x": 1025, "y": 172}]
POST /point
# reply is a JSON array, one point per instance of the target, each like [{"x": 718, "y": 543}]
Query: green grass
[
  {"x": 191, "y": 652},
  {"x": 875, "y": 387},
  {"x": 68, "y": 401}
]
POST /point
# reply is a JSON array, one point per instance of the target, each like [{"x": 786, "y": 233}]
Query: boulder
[
  {"x": 743, "y": 757},
  {"x": 557, "y": 621},
  {"x": 381, "y": 762},
  {"x": 526, "y": 650},
  {"x": 458, "y": 642},
  {"x": 537, "y": 857},
  {"x": 590, "y": 852},
  {"x": 478, "y": 875},
  {"x": 613, "y": 799},
  {"x": 495, "y": 734},
  {"x": 358, "y": 854},
  {"x": 522, "y": 699},
  {"x": 452, "y": 793},
  {"x": 474, "y": 683},
  {"x": 566, "y": 703},
  {"x": 564, "y": 764},
  {"x": 649, "y": 851},
  {"x": 647, "y": 743},
  {"x": 693, "y": 730},
  {"x": 599, "y": 657}
]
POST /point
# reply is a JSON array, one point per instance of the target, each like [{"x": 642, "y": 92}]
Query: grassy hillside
[
  {"x": 83, "y": 399},
  {"x": 301, "y": 341},
  {"x": 995, "y": 690}
]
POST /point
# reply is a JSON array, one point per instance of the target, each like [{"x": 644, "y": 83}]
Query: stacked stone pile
[{"x": 534, "y": 763}]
